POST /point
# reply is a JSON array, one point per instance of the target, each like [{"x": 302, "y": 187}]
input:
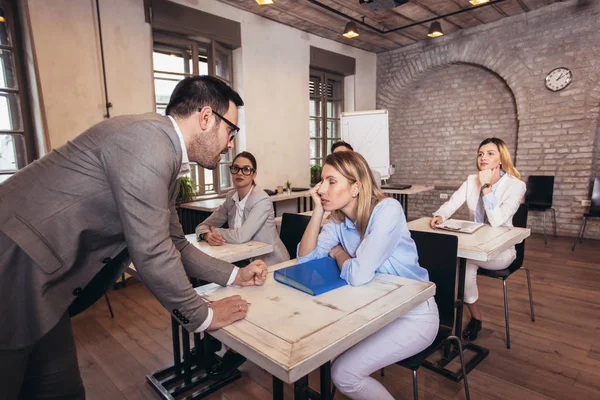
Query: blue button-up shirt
[
  {"x": 386, "y": 248},
  {"x": 488, "y": 202}
]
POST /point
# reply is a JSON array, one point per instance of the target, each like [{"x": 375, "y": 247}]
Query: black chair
[
  {"x": 437, "y": 254},
  {"x": 539, "y": 197},
  {"x": 292, "y": 229},
  {"x": 594, "y": 211},
  {"x": 519, "y": 220}
]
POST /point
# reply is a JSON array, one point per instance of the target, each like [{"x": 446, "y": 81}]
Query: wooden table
[
  {"x": 482, "y": 245},
  {"x": 189, "y": 374},
  {"x": 402, "y": 194},
  {"x": 209, "y": 205},
  {"x": 290, "y": 333}
]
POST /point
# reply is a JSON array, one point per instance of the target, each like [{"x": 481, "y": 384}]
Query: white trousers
[
  {"x": 503, "y": 260},
  {"x": 400, "y": 339}
]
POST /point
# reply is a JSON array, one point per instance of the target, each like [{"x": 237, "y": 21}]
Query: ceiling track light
[
  {"x": 264, "y": 2},
  {"x": 350, "y": 30},
  {"x": 435, "y": 30}
]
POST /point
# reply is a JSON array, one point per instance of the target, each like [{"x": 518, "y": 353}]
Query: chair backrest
[
  {"x": 292, "y": 229},
  {"x": 520, "y": 221},
  {"x": 595, "y": 206},
  {"x": 437, "y": 254},
  {"x": 539, "y": 190}
]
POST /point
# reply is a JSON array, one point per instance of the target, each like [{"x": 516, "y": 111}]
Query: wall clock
[{"x": 558, "y": 79}]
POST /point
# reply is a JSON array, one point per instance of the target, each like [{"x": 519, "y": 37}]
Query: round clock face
[{"x": 558, "y": 79}]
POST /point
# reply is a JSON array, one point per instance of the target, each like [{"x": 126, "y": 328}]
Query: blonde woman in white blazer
[{"x": 493, "y": 196}]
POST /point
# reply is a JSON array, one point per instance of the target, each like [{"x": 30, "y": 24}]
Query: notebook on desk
[
  {"x": 459, "y": 225},
  {"x": 313, "y": 277},
  {"x": 396, "y": 187}
]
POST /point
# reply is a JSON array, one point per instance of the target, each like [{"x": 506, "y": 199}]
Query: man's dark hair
[
  {"x": 340, "y": 143},
  {"x": 196, "y": 92}
]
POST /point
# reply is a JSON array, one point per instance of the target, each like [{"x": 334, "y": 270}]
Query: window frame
[
  {"x": 26, "y": 151},
  {"x": 180, "y": 43},
  {"x": 320, "y": 95}
]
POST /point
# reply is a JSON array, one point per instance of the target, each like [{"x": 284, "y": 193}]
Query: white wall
[
  {"x": 67, "y": 52},
  {"x": 271, "y": 73}
]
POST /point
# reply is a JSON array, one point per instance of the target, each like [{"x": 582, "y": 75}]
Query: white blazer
[{"x": 509, "y": 195}]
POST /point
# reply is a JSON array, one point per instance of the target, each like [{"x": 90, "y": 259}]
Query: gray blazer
[
  {"x": 70, "y": 212},
  {"x": 258, "y": 224}
]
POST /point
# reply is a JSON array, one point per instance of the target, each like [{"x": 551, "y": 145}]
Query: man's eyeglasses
[
  {"x": 234, "y": 128},
  {"x": 234, "y": 169}
]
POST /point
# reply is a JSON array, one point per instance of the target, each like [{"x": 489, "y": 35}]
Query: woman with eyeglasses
[{"x": 248, "y": 211}]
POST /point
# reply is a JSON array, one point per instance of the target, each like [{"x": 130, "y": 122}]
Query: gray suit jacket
[
  {"x": 70, "y": 212},
  {"x": 258, "y": 224}
]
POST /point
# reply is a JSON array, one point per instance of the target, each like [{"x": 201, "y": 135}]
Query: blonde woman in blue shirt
[{"x": 367, "y": 234}]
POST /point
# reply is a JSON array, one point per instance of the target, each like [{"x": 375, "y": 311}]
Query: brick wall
[{"x": 445, "y": 95}]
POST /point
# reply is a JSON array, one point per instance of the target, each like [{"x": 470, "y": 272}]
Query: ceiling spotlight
[
  {"x": 435, "y": 30},
  {"x": 478, "y": 2},
  {"x": 350, "y": 31},
  {"x": 263, "y": 2}
]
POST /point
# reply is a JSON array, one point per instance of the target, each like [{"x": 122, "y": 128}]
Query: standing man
[{"x": 64, "y": 217}]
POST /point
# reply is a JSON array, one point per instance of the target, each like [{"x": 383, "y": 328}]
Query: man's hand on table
[
  {"x": 254, "y": 274},
  {"x": 226, "y": 311}
]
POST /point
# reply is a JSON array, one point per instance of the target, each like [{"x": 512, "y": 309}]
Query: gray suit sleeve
[
  {"x": 257, "y": 217},
  {"x": 217, "y": 218},
  {"x": 140, "y": 164}
]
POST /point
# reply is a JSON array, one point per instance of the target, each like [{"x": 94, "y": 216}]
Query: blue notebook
[{"x": 312, "y": 277}]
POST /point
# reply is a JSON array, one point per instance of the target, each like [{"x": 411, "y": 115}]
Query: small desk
[
  {"x": 402, "y": 194},
  {"x": 316, "y": 329},
  {"x": 173, "y": 382},
  {"x": 209, "y": 205},
  {"x": 300, "y": 196},
  {"x": 481, "y": 245}
]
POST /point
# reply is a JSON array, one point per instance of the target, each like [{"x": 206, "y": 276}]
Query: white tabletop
[
  {"x": 412, "y": 190},
  {"x": 292, "y": 195},
  {"x": 231, "y": 252},
  {"x": 290, "y": 333},
  {"x": 228, "y": 252},
  {"x": 209, "y": 205},
  {"x": 481, "y": 245}
]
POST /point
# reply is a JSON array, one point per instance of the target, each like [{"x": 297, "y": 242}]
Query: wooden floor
[{"x": 556, "y": 357}]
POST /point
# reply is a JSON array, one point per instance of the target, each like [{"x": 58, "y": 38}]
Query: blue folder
[{"x": 312, "y": 277}]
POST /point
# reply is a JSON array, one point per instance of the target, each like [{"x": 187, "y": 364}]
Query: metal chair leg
[
  {"x": 506, "y": 314},
  {"x": 462, "y": 365},
  {"x": 554, "y": 216},
  {"x": 545, "y": 239},
  {"x": 530, "y": 294},
  {"x": 109, "y": 307},
  {"x": 415, "y": 385},
  {"x": 579, "y": 234}
]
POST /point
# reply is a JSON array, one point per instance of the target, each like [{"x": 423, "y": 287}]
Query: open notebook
[
  {"x": 458, "y": 225},
  {"x": 312, "y": 277}
]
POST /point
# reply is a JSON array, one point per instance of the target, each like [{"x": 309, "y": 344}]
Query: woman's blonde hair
[
  {"x": 352, "y": 166},
  {"x": 505, "y": 159}
]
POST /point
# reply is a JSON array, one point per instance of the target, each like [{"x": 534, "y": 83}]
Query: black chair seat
[
  {"x": 500, "y": 274},
  {"x": 415, "y": 361}
]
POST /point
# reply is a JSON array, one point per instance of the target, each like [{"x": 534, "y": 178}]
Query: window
[
  {"x": 16, "y": 137},
  {"x": 175, "y": 58},
  {"x": 325, "y": 110}
]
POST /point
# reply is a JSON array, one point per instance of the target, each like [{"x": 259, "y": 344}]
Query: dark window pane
[
  {"x": 8, "y": 79},
  {"x": 4, "y": 32}
]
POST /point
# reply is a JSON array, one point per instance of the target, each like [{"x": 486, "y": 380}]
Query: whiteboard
[{"x": 368, "y": 133}]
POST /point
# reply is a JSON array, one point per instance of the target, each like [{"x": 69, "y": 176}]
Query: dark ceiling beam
[
  {"x": 459, "y": 5},
  {"x": 500, "y": 11},
  {"x": 424, "y": 7},
  {"x": 333, "y": 10}
]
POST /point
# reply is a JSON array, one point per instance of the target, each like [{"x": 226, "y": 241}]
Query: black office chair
[
  {"x": 292, "y": 229},
  {"x": 519, "y": 220},
  {"x": 437, "y": 254},
  {"x": 539, "y": 197},
  {"x": 594, "y": 211}
]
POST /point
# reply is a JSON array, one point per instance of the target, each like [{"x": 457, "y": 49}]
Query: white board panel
[{"x": 368, "y": 133}]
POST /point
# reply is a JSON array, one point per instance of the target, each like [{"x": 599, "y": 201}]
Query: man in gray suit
[{"x": 64, "y": 217}]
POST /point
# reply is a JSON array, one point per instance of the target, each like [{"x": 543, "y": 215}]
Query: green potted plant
[
  {"x": 315, "y": 174},
  {"x": 187, "y": 189},
  {"x": 288, "y": 186}
]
